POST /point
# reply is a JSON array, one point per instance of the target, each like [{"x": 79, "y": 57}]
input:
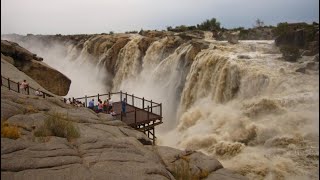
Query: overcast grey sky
[{"x": 98, "y": 16}]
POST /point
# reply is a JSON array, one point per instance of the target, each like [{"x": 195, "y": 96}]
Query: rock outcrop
[
  {"x": 105, "y": 148},
  {"x": 29, "y": 63},
  {"x": 299, "y": 35}
]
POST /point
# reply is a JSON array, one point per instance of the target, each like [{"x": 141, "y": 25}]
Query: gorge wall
[{"x": 242, "y": 103}]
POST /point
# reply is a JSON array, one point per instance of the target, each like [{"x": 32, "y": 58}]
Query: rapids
[{"x": 240, "y": 103}]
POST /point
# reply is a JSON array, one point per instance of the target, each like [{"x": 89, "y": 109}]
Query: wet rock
[
  {"x": 225, "y": 174},
  {"x": 241, "y": 56},
  {"x": 233, "y": 38},
  {"x": 316, "y": 58},
  {"x": 194, "y": 164},
  {"x": 312, "y": 66},
  {"x": 292, "y": 38},
  {"x": 301, "y": 70}
]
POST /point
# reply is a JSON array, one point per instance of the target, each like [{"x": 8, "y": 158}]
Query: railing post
[
  {"x": 98, "y": 98},
  {"x": 120, "y": 96},
  {"x": 109, "y": 95},
  {"x": 161, "y": 110},
  {"x": 28, "y": 90},
  {"x": 148, "y": 113},
  {"x": 132, "y": 99},
  {"x": 85, "y": 100},
  {"x": 9, "y": 83},
  {"x": 18, "y": 87},
  {"x": 151, "y": 105},
  {"x": 143, "y": 103},
  {"x": 154, "y": 137},
  {"x": 127, "y": 96},
  {"x": 135, "y": 116}
]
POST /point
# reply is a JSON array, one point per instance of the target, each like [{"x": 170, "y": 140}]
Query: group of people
[
  {"x": 106, "y": 106},
  {"x": 75, "y": 102}
]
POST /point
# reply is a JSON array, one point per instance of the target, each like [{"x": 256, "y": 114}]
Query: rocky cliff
[
  {"x": 104, "y": 147},
  {"x": 32, "y": 65}
]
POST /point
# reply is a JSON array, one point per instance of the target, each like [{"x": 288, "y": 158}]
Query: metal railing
[
  {"x": 139, "y": 104},
  {"x": 15, "y": 86}
]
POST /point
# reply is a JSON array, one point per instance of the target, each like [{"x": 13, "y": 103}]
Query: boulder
[
  {"x": 27, "y": 62},
  {"x": 225, "y": 174},
  {"x": 233, "y": 38},
  {"x": 292, "y": 38},
  {"x": 242, "y": 56},
  {"x": 301, "y": 70},
  {"x": 192, "y": 164}
]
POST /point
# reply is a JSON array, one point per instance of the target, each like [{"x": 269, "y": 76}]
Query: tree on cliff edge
[{"x": 209, "y": 25}]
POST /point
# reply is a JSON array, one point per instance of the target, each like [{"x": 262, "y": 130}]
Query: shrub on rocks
[
  {"x": 58, "y": 125},
  {"x": 9, "y": 131}
]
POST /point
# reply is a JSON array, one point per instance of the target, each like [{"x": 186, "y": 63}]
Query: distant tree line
[{"x": 208, "y": 25}]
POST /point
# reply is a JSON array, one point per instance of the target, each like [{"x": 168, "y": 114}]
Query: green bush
[
  {"x": 57, "y": 125},
  {"x": 210, "y": 25}
]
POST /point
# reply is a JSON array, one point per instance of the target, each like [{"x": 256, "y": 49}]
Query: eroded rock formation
[{"x": 29, "y": 63}]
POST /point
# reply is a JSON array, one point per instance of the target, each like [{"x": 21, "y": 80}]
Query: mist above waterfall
[
  {"x": 240, "y": 103},
  {"x": 86, "y": 77}
]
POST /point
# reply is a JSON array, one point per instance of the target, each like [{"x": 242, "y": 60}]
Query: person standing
[
  {"x": 91, "y": 104},
  {"x": 23, "y": 87},
  {"x": 110, "y": 104},
  {"x": 100, "y": 106},
  {"x": 106, "y": 106},
  {"x": 123, "y": 106}
]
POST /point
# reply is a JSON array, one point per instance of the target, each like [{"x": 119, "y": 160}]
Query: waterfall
[{"x": 240, "y": 103}]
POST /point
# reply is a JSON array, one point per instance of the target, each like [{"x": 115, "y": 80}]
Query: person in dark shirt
[{"x": 123, "y": 106}]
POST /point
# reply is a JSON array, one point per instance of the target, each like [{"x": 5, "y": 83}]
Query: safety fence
[
  {"x": 15, "y": 86},
  {"x": 139, "y": 104}
]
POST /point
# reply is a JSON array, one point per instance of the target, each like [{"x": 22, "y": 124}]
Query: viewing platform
[{"x": 141, "y": 114}]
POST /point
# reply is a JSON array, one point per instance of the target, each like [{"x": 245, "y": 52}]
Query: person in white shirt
[
  {"x": 68, "y": 101},
  {"x": 23, "y": 87},
  {"x": 38, "y": 92}
]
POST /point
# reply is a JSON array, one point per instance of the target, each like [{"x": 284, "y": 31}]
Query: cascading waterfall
[{"x": 239, "y": 103}]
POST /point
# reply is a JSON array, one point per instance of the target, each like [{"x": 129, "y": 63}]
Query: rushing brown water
[{"x": 239, "y": 103}]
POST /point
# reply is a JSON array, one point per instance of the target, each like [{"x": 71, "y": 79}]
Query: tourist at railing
[
  {"x": 23, "y": 87},
  {"x": 69, "y": 101},
  {"x": 38, "y": 92},
  {"x": 123, "y": 106},
  {"x": 106, "y": 106},
  {"x": 112, "y": 112},
  {"x": 100, "y": 106},
  {"x": 110, "y": 104},
  {"x": 91, "y": 104}
]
